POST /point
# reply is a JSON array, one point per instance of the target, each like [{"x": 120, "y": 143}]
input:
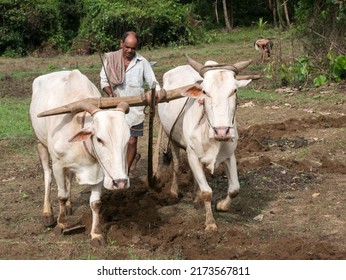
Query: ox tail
[{"x": 167, "y": 156}]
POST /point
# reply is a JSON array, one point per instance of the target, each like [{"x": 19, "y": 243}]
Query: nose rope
[
  {"x": 99, "y": 160},
  {"x": 84, "y": 143},
  {"x": 175, "y": 122},
  {"x": 207, "y": 118},
  {"x": 96, "y": 157}
]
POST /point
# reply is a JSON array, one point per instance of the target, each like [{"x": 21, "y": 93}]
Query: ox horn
[
  {"x": 84, "y": 106},
  {"x": 242, "y": 65},
  {"x": 247, "y": 77},
  {"x": 194, "y": 64},
  {"x": 123, "y": 106}
]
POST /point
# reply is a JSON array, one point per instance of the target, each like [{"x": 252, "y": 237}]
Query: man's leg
[
  {"x": 131, "y": 151},
  {"x": 136, "y": 131}
]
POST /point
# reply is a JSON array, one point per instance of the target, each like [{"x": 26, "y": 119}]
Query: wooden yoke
[{"x": 112, "y": 102}]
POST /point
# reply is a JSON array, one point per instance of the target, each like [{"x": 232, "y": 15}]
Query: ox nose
[
  {"x": 221, "y": 133},
  {"x": 120, "y": 183}
]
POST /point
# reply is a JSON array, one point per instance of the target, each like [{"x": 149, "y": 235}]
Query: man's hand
[{"x": 109, "y": 91}]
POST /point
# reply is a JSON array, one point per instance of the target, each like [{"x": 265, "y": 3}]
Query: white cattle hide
[
  {"x": 91, "y": 146},
  {"x": 206, "y": 128}
]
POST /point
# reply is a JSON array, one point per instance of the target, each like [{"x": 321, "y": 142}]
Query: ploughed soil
[{"x": 292, "y": 203}]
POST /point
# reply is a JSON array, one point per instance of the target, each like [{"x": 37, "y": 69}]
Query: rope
[
  {"x": 175, "y": 122},
  {"x": 96, "y": 157},
  {"x": 207, "y": 68}
]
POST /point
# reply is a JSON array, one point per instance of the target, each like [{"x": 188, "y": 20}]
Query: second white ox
[
  {"x": 91, "y": 145},
  {"x": 204, "y": 124}
]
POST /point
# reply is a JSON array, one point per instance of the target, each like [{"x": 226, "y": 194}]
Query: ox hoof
[
  {"x": 58, "y": 230},
  {"x": 98, "y": 242},
  {"x": 174, "y": 194},
  {"x": 221, "y": 206},
  {"x": 211, "y": 228},
  {"x": 48, "y": 221}
]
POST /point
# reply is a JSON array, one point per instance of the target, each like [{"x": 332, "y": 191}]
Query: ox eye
[
  {"x": 205, "y": 93},
  {"x": 99, "y": 140}
]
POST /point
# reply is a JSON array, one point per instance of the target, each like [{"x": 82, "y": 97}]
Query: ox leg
[
  {"x": 176, "y": 160},
  {"x": 230, "y": 167},
  {"x": 197, "y": 195},
  {"x": 206, "y": 192},
  {"x": 68, "y": 181},
  {"x": 48, "y": 215},
  {"x": 64, "y": 184},
  {"x": 97, "y": 238}
]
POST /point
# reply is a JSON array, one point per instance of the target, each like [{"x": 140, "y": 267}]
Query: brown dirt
[{"x": 292, "y": 169}]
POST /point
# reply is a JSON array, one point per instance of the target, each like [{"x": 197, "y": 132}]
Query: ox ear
[
  {"x": 193, "y": 92},
  {"x": 243, "y": 83},
  {"x": 82, "y": 135}
]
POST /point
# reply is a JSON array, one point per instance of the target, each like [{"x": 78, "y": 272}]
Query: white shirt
[{"x": 137, "y": 73}]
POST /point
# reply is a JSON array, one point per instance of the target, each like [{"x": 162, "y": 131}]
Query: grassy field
[{"x": 16, "y": 75}]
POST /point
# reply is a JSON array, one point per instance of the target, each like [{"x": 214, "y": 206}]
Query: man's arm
[{"x": 104, "y": 81}]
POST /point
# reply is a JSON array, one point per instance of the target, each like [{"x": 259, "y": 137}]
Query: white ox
[
  {"x": 91, "y": 145},
  {"x": 204, "y": 125}
]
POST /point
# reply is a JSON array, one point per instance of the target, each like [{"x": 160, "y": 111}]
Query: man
[
  {"x": 127, "y": 71},
  {"x": 265, "y": 46}
]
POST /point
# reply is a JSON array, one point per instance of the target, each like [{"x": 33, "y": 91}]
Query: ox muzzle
[
  {"x": 120, "y": 184},
  {"x": 222, "y": 133}
]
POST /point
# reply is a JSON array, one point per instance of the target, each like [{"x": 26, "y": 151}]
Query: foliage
[
  {"x": 321, "y": 27},
  {"x": 261, "y": 24},
  {"x": 294, "y": 73},
  {"x": 157, "y": 22},
  {"x": 336, "y": 71},
  {"x": 57, "y": 26},
  {"x": 26, "y": 25},
  {"x": 300, "y": 71},
  {"x": 320, "y": 80},
  {"x": 337, "y": 67}
]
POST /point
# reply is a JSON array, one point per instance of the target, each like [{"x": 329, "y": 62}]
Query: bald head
[{"x": 129, "y": 43}]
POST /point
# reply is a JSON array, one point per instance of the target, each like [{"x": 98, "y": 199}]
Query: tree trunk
[
  {"x": 216, "y": 12},
  {"x": 231, "y": 13},
  {"x": 272, "y": 5},
  {"x": 279, "y": 13},
  {"x": 225, "y": 13},
  {"x": 286, "y": 13}
]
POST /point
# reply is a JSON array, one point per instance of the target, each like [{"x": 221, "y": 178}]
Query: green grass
[
  {"x": 14, "y": 120},
  {"x": 223, "y": 48},
  {"x": 248, "y": 94}
]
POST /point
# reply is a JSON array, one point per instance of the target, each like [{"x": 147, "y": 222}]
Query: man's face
[{"x": 129, "y": 46}]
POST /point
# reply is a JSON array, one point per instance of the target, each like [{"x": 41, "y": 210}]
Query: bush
[
  {"x": 321, "y": 28},
  {"x": 157, "y": 22},
  {"x": 25, "y": 25}
]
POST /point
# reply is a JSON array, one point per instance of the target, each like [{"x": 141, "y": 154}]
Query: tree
[
  {"x": 216, "y": 12},
  {"x": 322, "y": 26},
  {"x": 225, "y": 13},
  {"x": 286, "y": 13}
]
